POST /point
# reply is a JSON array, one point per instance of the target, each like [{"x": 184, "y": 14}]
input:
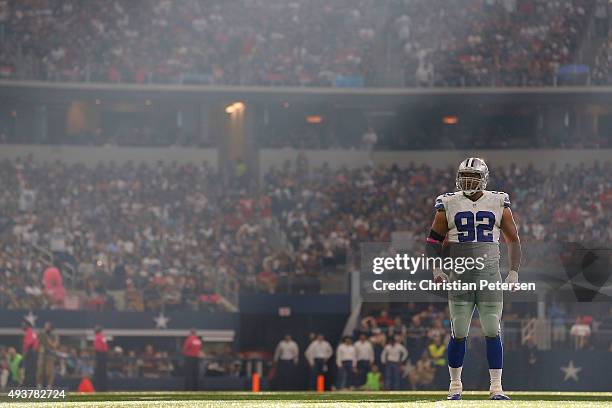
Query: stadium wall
[
  {"x": 92, "y": 155},
  {"x": 218, "y": 327},
  {"x": 553, "y": 372},
  {"x": 267, "y": 318},
  {"x": 335, "y": 158},
  {"x": 538, "y": 158},
  {"x": 376, "y": 96}
]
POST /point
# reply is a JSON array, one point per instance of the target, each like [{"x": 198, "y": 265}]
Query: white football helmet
[{"x": 472, "y": 176}]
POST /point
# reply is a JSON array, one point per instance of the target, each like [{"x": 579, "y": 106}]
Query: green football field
[{"x": 306, "y": 399}]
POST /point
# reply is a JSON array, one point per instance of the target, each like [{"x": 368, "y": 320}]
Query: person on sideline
[
  {"x": 365, "y": 358},
  {"x": 373, "y": 379},
  {"x": 101, "y": 349},
  {"x": 47, "y": 356},
  {"x": 286, "y": 357},
  {"x": 393, "y": 356},
  {"x": 346, "y": 361},
  {"x": 317, "y": 354},
  {"x": 192, "y": 348},
  {"x": 30, "y": 354}
]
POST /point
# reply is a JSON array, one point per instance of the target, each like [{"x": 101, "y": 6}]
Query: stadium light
[
  {"x": 234, "y": 108},
  {"x": 314, "y": 119},
  {"x": 450, "y": 120}
]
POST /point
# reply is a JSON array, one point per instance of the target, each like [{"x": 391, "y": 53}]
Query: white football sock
[
  {"x": 455, "y": 373},
  {"x": 496, "y": 375}
]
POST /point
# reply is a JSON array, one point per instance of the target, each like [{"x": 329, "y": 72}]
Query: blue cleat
[
  {"x": 453, "y": 397},
  {"x": 500, "y": 397}
]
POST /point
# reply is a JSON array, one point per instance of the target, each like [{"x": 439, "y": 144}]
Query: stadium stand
[
  {"x": 123, "y": 240},
  {"x": 315, "y": 43}
]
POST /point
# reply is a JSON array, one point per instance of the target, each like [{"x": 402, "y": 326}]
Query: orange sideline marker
[
  {"x": 255, "y": 382},
  {"x": 320, "y": 383}
]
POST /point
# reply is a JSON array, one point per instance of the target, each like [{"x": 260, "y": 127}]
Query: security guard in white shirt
[
  {"x": 393, "y": 356},
  {"x": 286, "y": 357},
  {"x": 346, "y": 361},
  {"x": 317, "y": 354},
  {"x": 365, "y": 358}
]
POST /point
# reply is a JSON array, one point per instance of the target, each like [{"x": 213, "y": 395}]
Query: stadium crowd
[
  {"x": 162, "y": 234},
  {"x": 315, "y": 43},
  {"x": 169, "y": 236},
  {"x": 403, "y": 346},
  {"x": 602, "y": 74},
  {"x": 485, "y": 43},
  {"x": 244, "y": 42},
  {"x": 326, "y": 212}
]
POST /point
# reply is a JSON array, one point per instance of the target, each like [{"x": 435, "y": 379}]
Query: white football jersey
[{"x": 473, "y": 221}]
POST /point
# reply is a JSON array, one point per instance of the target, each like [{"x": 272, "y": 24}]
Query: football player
[{"x": 473, "y": 219}]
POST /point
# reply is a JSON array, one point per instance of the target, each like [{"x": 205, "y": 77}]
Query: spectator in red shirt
[
  {"x": 101, "y": 349},
  {"x": 191, "y": 351},
  {"x": 383, "y": 319},
  {"x": 30, "y": 353}
]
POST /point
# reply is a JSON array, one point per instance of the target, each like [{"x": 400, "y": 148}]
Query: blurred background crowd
[
  {"x": 315, "y": 43},
  {"x": 172, "y": 237}
]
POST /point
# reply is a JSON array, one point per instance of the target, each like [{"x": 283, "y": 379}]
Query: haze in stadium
[{"x": 210, "y": 203}]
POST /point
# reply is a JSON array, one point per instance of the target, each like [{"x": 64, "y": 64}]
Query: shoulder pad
[
  {"x": 503, "y": 196},
  {"x": 441, "y": 199}
]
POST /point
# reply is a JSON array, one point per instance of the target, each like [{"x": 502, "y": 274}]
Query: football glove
[
  {"x": 439, "y": 276},
  {"x": 512, "y": 278}
]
